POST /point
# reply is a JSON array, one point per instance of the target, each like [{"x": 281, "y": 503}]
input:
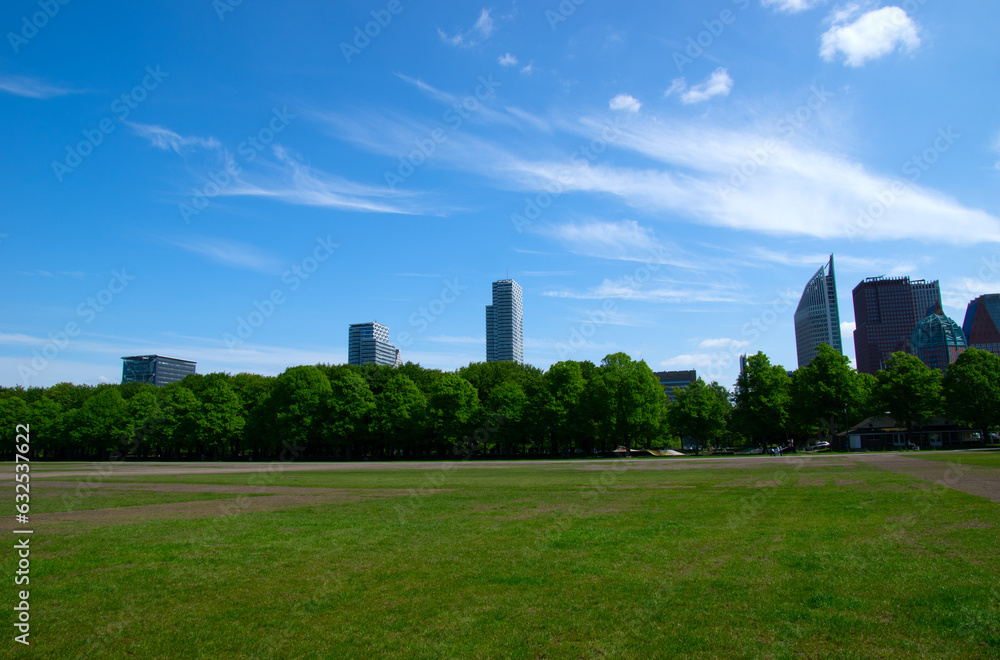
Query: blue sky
[{"x": 236, "y": 183}]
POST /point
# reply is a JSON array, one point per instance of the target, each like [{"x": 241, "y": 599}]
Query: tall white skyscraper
[
  {"x": 817, "y": 319},
  {"x": 504, "y": 324}
]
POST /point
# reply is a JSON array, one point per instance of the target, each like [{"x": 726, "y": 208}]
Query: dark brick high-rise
[{"x": 886, "y": 310}]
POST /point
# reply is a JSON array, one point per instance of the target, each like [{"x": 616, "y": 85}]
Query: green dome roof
[{"x": 937, "y": 331}]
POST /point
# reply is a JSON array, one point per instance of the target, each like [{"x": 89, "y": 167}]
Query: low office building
[
  {"x": 679, "y": 379},
  {"x": 155, "y": 369}
]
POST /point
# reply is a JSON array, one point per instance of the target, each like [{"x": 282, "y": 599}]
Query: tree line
[{"x": 486, "y": 408}]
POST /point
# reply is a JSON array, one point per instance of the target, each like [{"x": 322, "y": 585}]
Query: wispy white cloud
[
  {"x": 296, "y": 183},
  {"x": 625, "y": 102},
  {"x": 478, "y": 33},
  {"x": 892, "y": 266},
  {"x": 528, "y": 69},
  {"x": 31, "y": 88},
  {"x": 546, "y": 273},
  {"x": 166, "y": 139},
  {"x": 723, "y": 343},
  {"x": 869, "y": 36},
  {"x": 229, "y": 253},
  {"x": 677, "y": 85},
  {"x": 531, "y": 120},
  {"x": 627, "y": 288},
  {"x": 626, "y": 241},
  {"x": 507, "y": 60},
  {"x": 717, "y": 84},
  {"x": 692, "y": 361},
  {"x": 791, "y": 6},
  {"x": 689, "y": 175},
  {"x": 447, "y": 339}
]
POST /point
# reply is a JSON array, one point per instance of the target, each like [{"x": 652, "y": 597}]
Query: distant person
[{"x": 777, "y": 451}]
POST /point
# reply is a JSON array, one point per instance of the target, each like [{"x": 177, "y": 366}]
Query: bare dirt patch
[
  {"x": 971, "y": 479},
  {"x": 257, "y": 498},
  {"x": 811, "y": 482}
]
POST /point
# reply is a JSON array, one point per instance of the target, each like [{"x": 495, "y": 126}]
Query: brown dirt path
[
  {"x": 258, "y": 498},
  {"x": 971, "y": 479}
]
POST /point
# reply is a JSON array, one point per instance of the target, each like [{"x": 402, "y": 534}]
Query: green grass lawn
[{"x": 539, "y": 561}]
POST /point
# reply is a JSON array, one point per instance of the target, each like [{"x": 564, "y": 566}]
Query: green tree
[
  {"x": 175, "y": 429},
  {"x": 761, "y": 399},
  {"x": 399, "y": 410},
  {"x": 218, "y": 418},
  {"x": 452, "y": 408},
  {"x": 13, "y": 411},
  {"x": 699, "y": 412},
  {"x": 297, "y": 410},
  {"x": 563, "y": 392},
  {"x": 506, "y": 408},
  {"x": 143, "y": 410},
  {"x": 908, "y": 390},
  {"x": 823, "y": 391},
  {"x": 101, "y": 424},
  {"x": 635, "y": 399},
  {"x": 971, "y": 388},
  {"x": 349, "y": 407}
]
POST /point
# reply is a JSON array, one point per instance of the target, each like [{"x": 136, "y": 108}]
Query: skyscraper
[
  {"x": 817, "y": 319},
  {"x": 886, "y": 311},
  {"x": 504, "y": 324},
  {"x": 982, "y": 323},
  {"x": 155, "y": 369},
  {"x": 368, "y": 343}
]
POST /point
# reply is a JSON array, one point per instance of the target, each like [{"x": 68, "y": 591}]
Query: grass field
[{"x": 784, "y": 559}]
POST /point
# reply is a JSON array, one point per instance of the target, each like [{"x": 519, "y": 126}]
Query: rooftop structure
[{"x": 937, "y": 340}]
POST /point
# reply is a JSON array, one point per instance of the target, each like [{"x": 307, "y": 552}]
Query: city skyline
[{"x": 236, "y": 187}]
